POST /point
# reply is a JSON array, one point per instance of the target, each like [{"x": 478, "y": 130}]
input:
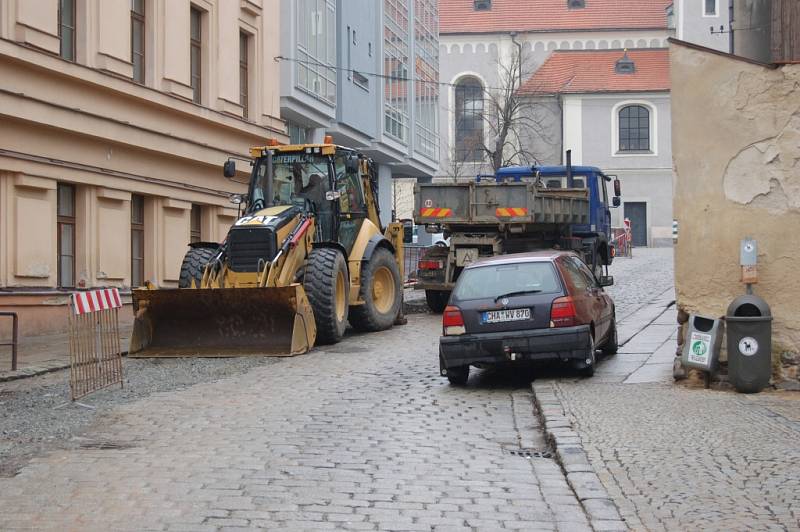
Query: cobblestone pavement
[
  {"x": 361, "y": 436},
  {"x": 674, "y": 457}
]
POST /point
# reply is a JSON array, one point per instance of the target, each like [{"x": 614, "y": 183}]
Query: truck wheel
[
  {"x": 381, "y": 291},
  {"x": 437, "y": 300},
  {"x": 194, "y": 263},
  {"x": 327, "y": 285}
]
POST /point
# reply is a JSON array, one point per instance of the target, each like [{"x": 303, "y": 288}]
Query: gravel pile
[{"x": 37, "y": 415}]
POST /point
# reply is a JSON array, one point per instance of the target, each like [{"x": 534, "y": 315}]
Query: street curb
[
  {"x": 32, "y": 371},
  {"x": 599, "y": 507}
]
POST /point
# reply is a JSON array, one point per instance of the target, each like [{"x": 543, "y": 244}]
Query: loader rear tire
[
  {"x": 327, "y": 285},
  {"x": 194, "y": 263},
  {"x": 381, "y": 291}
]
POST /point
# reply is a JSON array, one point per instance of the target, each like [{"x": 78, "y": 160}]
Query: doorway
[{"x": 636, "y": 212}]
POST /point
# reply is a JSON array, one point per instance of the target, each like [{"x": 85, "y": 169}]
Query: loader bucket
[{"x": 222, "y": 322}]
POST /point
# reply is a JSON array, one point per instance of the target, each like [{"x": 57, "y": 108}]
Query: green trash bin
[{"x": 749, "y": 325}]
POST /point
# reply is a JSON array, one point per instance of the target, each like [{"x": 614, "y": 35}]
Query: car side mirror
[
  {"x": 237, "y": 199},
  {"x": 229, "y": 168},
  {"x": 616, "y": 201},
  {"x": 617, "y": 188},
  {"x": 605, "y": 280}
]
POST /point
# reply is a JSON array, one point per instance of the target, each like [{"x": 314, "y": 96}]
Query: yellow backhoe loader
[{"x": 307, "y": 256}]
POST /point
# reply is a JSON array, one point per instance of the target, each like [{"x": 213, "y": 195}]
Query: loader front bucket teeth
[{"x": 222, "y": 322}]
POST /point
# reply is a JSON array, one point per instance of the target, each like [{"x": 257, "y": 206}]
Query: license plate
[{"x": 499, "y": 316}]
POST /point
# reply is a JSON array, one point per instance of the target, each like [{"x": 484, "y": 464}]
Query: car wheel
[
  {"x": 612, "y": 344},
  {"x": 587, "y": 369},
  {"x": 458, "y": 376}
]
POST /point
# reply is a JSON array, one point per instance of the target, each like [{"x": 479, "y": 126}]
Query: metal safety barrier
[
  {"x": 411, "y": 255},
  {"x": 94, "y": 343},
  {"x": 622, "y": 240},
  {"x": 14, "y": 337}
]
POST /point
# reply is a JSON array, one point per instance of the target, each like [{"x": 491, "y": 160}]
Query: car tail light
[
  {"x": 430, "y": 265},
  {"x": 562, "y": 313},
  {"x": 452, "y": 321}
]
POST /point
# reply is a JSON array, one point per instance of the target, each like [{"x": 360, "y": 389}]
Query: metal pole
[{"x": 268, "y": 200}]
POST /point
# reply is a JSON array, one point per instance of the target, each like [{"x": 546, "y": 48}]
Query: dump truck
[
  {"x": 518, "y": 209},
  {"x": 306, "y": 255}
]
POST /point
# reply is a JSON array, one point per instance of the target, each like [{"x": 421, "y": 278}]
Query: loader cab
[{"x": 321, "y": 180}]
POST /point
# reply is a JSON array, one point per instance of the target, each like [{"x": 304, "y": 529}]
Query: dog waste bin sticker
[
  {"x": 748, "y": 346},
  {"x": 699, "y": 348}
]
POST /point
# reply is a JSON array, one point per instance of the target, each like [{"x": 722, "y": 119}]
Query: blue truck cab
[{"x": 589, "y": 177}]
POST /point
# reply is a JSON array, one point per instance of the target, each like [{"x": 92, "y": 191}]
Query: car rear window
[{"x": 496, "y": 279}]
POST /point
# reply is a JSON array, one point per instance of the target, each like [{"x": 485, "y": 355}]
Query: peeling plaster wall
[{"x": 736, "y": 155}]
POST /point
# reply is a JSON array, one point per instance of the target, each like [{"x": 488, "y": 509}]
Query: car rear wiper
[{"x": 519, "y": 293}]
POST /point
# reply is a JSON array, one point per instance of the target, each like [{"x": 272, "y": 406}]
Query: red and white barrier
[{"x": 95, "y": 300}]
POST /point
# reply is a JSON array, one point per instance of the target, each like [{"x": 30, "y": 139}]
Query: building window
[
  {"x": 137, "y": 240},
  {"x": 316, "y": 48},
  {"x": 196, "y": 54},
  {"x": 482, "y": 5},
  {"x": 710, "y": 8},
  {"x": 634, "y": 129},
  {"x": 65, "y": 210},
  {"x": 576, "y": 4},
  {"x": 426, "y": 87},
  {"x": 395, "y": 65},
  {"x": 297, "y": 134},
  {"x": 66, "y": 29},
  {"x": 137, "y": 40},
  {"x": 195, "y": 224},
  {"x": 244, "y": 77},
  {"x": 469, "y": 120}
]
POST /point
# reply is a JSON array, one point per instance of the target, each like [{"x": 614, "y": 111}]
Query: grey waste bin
[
  {"x": 749, "y": 343},
  {"x": 702, "y": 344}
]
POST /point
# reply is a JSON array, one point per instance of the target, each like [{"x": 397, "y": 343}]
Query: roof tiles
[
  {"x": 460, "y": 16},
  {"x": 586, "y": 71}
]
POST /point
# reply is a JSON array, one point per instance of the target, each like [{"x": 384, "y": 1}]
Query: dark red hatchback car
[{"x": 543, "y": 305}]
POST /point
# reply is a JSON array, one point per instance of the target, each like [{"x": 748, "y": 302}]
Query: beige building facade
[
  {"x": 735, "y": 147},
  {"x": 115, "y": 119}
]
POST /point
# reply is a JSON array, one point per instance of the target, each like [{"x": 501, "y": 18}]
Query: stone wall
[{"x": 736, "y": 154}]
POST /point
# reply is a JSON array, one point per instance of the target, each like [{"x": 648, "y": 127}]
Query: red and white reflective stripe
[{"x": 95, "y": 300}]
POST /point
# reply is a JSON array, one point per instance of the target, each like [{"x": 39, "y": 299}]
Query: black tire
[
  {"x": 611, "y": 346},
  {"x": 437, "y": 300},
  {"x": 326, "y": 283},
  {"x": 369, "y": 317},
  {"x": 194, "y": 263},
  {"x": 458, "y": 376}
]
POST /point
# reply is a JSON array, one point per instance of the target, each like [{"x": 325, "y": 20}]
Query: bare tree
[{"x": 519, "y": 123}]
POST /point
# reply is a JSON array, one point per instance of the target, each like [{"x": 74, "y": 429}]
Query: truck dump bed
[{"x": 474, "y": 203}]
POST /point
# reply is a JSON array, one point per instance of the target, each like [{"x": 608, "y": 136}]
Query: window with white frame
[
  {"x": 634, "y": 129},
  {"x": 468, "y": 130},
  {"x": 710, "y": 8},
  {"x": 316, "y": 48}
]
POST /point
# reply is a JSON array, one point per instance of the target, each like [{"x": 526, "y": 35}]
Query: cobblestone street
[
  {"x": 363, "y": 435},
  {"x": 675, "y": 457}
]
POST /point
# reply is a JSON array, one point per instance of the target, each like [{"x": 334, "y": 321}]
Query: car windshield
[
  {"x": 293, "y": 174},
  {"x": 493, "y": 280}
]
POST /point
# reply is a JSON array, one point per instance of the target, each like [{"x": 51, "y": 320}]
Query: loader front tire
[
  {"x": 381, "y": 291},
  {"x": 327, "y": 285},
  {"x": 194, "y": 263}
]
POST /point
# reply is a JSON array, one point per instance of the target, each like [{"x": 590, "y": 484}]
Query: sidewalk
[
  {"x": 42, "y": 354},
  {"x": 675, "y": 456}
]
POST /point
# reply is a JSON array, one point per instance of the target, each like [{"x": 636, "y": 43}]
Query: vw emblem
[{"x": 504, "y": 301}]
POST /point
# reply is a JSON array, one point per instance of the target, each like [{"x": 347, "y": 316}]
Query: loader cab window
[
  {"x": 348, "y": 184},
  {"x": 352, "y": 210},
  {"x": 297, "y": 177}
]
